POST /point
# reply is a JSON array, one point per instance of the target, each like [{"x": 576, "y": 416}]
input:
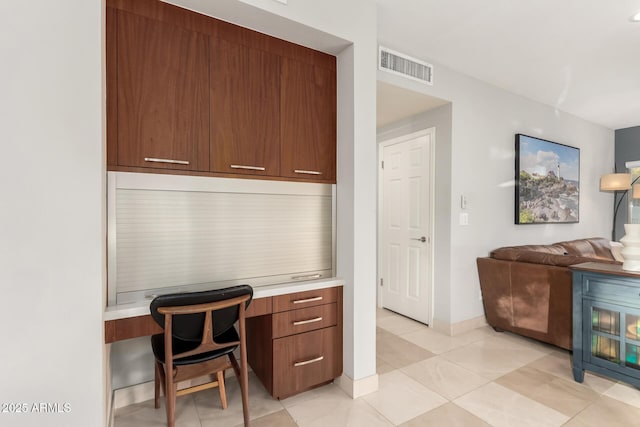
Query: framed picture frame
[{"x": 547, "y": 181}]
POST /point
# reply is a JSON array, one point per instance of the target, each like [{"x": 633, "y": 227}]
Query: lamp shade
[
  {"x": 636, "y": 191},
  {"x": 615, "y": 182}
]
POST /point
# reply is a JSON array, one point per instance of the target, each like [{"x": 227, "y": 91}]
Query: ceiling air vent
[{"x": 406, "y": 66}]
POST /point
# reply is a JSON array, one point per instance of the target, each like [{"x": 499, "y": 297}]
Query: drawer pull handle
[
  {"x": 309, "y": 276},
  {"x": 302, "y": 301},
  {"x": 302, "y": 171},
  {"x": 251, "y": 168},
  {"x": 304, "y": 322},
  {"x": 176, "y": 162},
  {"x": 306, "y": 362}
]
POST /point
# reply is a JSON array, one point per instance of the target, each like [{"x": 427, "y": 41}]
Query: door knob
[{"x": 421, "y": 239}]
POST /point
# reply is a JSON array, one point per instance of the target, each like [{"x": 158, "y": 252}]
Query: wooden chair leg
[
  {"x": 161, "y": 380},
  {"x": 156, "y": 386},
  {"x": 243, "y": 379},
  {"x": 170, "y": 399},
  {"x": 222, "y": 389},
  {"x": 245, "y": 394},
  {"x": 244, "y": 374}
]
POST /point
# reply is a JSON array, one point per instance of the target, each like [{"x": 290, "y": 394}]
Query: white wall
[
  {"x": 51, "y": 215},
  {"x": 484, "y": 122}
]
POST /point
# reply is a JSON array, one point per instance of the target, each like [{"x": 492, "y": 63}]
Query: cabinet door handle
[
  {"x": 304, "y": 322},
  {"x": 306, "y": 362},
  {"x": 307, "y": 172},
  {"x": 177, "y": 162},
  {"x": 251, "y": 168},
  {"x": 302, "y": 301},
  {"x": 311, "y": 276}
]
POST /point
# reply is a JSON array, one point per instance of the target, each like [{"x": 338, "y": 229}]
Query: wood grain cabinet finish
[
  {"x": 162, "y": 99},
  {"x": 303, "y": 320},
  {"x": 245, "y": 110},
  {"x": 305, "y": 299},
  {"x": 304, "y": 361},
  {"x": 295, "y": 349},
  {"x": 195, "y": 95},
  {"x": 308, "y": 121}
]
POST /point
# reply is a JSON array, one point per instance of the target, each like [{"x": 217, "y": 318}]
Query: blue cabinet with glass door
[{"x": 606, "y": 322}]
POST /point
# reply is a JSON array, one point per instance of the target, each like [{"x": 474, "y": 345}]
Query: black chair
[{"x": 198, "y": 333}]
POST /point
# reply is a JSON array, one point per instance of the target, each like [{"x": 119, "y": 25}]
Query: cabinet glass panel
[
  {"x": 605, "y": 348},
  {"x": 606, "y": 321},
  {"x": 632, "y": 358},
  {"x": 633, "y": 327}
]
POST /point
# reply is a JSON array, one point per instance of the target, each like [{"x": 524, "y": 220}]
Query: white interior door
[{"x": 406, "y": 227}]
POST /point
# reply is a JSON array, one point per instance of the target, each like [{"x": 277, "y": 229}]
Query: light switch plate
[{"x": 464, "y": 218}]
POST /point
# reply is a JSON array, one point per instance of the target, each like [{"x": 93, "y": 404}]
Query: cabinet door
[
  {"x": 304, "y": 361},
  {"x": 162, "y": 95},
  {"x": 613, "y": 334},
  {"x": 308, "y": 121},
  {"x": 245, "y": 110}
]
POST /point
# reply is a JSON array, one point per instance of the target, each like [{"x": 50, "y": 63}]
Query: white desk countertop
[{"x": 141, "y": 308}]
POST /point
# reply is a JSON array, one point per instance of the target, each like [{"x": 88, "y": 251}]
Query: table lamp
[{"x": 616, "y": 182}]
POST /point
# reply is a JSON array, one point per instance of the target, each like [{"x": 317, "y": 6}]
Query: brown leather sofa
[{"x": 527, "y": 289}]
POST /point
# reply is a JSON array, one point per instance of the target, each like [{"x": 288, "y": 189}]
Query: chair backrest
[{"x": 189, "y": 327}]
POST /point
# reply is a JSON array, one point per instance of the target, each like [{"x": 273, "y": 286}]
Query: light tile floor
[{"x": 480, "y": 378}]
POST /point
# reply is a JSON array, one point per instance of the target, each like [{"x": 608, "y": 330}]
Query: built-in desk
[{"x": 294, "y": 333}]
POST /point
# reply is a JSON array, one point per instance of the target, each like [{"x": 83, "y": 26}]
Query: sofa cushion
[
  {"x": 512, "y": 252},
  {"x": 595, "y": 247},
  {"x": 561, "y": 254}
]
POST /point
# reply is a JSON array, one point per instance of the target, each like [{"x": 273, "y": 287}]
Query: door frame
[{"x": 430, "y": 276}]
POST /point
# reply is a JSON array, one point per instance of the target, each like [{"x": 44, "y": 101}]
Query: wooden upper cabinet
[
  {"x": 245, "y": 109},
  {"x": 111, "y": 64},
  {"x": 162, "y": 80},
  {"x": 308, "y": 121},
  {"x": 195, "y": 95}
]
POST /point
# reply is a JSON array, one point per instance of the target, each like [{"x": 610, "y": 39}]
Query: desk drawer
[
  {"x": 304, "y": 299},
  {"x": 305, "y": 360},
  {"x": 610, "y": 289},
  {"x": 303, "y": 320}
]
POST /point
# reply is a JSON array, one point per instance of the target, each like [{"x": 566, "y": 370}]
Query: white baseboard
[
  {"x": 111, "y": 422},
  {"x": 108, "y": 392},
  {"x": 133, "y": 394},
  {"x": 359, "y": 387},
  {"x": 453, "y": 329}
]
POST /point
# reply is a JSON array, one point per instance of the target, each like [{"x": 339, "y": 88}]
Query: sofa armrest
[{"x": 530, "y": 299}]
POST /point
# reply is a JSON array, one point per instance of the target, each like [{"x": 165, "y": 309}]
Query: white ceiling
[
  {"x": 579, "y": 56},
  {"x": 395, "y": 103}
]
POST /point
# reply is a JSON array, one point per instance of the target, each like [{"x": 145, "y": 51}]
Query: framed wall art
[{"x": 547, "y": 180}]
